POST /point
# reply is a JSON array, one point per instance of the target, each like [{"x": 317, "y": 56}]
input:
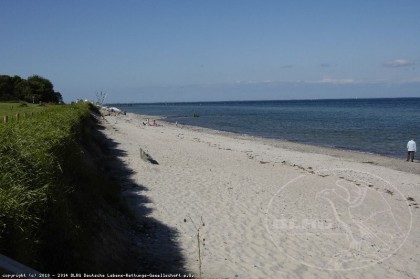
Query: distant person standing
[{"x": 411, "y": 148}]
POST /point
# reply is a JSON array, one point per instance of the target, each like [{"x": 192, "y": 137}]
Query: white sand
[{"x": 274, "y": 209}]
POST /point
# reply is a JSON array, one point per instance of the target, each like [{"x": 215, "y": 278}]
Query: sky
[{"x": 214, "y": 50}]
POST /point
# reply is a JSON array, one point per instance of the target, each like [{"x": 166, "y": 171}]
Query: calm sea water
[{"x": 380, "y": 126}]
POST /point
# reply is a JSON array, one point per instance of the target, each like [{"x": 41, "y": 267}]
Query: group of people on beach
[
  {"x": 147, "y": 123},
  {"x": 411, "y": 150}
]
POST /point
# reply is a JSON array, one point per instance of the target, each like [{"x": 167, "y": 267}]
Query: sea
[{"x": 380, "y": 126}]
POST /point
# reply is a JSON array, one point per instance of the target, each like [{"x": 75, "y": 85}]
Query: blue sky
[{"x": 175, "y": 50}]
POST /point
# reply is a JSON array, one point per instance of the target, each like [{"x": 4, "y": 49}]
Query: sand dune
[{"x": 274, "y": 209}]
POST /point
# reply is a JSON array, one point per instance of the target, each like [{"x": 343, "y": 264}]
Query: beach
[{"x": 268, "y": 208}]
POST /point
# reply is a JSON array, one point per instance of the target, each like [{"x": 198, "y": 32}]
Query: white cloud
[
  {"x": 412, "y": 80},
  {"x": 330, "y": 80},
  {"x": 398, "y": 63}
]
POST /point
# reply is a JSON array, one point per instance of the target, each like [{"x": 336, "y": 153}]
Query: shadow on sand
[{"x": 154, "y": 243}]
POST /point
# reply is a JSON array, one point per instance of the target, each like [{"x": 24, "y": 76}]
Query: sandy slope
[{"x": 274, "y": 209}]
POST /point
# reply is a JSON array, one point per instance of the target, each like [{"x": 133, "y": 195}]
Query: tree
[
  {"x": 59, "y": 97},
  {"x": 100, "y": 98},
  {"x": 34, "y": 88},
  {"x": 42, "y": 89},
  {"x": 6, "y": 87},
  {"x": 16, "y": 80},
  {"x": 23, "y": 91}
]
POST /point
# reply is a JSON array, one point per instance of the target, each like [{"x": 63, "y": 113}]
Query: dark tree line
[{"x": 34, "y": 89}]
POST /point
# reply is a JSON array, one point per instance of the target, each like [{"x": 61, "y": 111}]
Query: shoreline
[
  {"x": 394, "y": 163},
  {"x": 163, "y": 119},
  {"x": 376, "y": 135},
  {"x": 240, "y": 191}
]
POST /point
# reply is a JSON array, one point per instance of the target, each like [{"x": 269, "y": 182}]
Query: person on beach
[{"x": 411, "y": 148}]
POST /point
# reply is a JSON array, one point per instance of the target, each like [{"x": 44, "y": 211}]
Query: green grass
[
  {"x": 53, "y": 198},
  {"x": 24, "y": 109}
]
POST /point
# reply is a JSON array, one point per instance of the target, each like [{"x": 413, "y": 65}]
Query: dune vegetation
[
  {"x": 56, "y": 206},
  {"x": 23, "y": 109}
]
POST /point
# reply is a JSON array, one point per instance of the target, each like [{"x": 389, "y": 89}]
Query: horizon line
[{"x": 268, "y": 100}]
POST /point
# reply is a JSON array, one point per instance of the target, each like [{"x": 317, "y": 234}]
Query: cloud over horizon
[
  {"x": 330, "y": 80},
  {"x": 398, "y": 63}
]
